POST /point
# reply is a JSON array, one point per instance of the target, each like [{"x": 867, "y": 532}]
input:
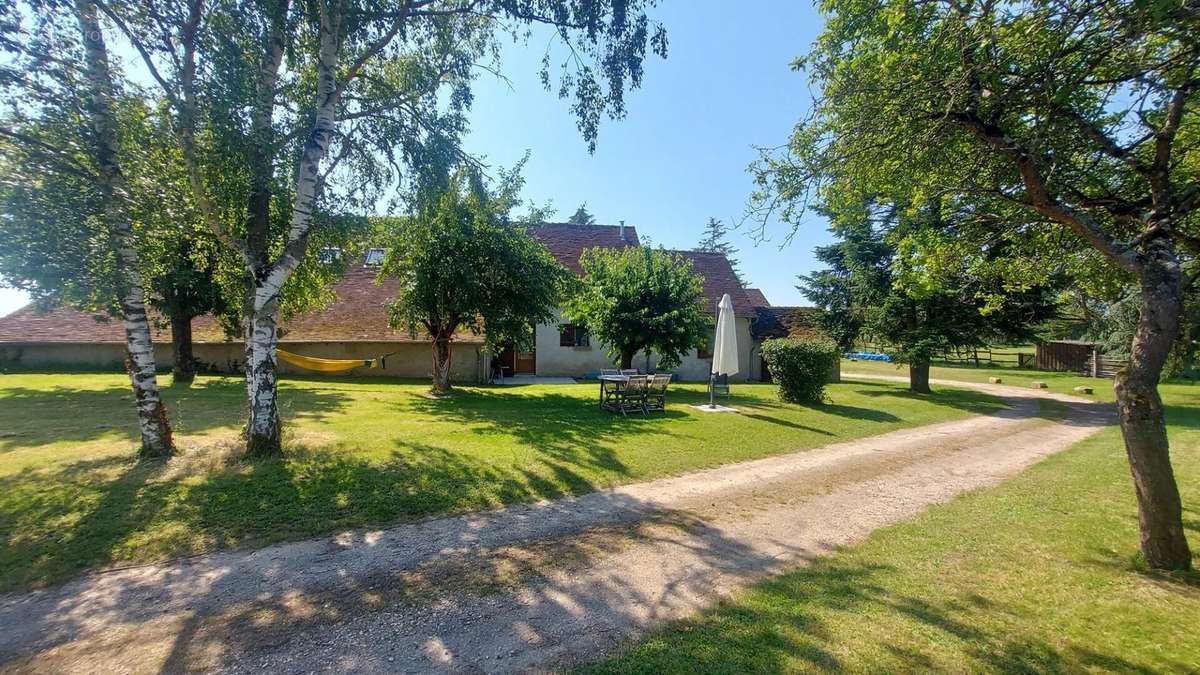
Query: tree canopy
[
  {"x": 463, "y": 266},
  {"x": 290, "y": 114},
  {"x": 641, "y": 298},
  {"x": 865, "y": 290},
  {"x": 1058, "y": 132}
]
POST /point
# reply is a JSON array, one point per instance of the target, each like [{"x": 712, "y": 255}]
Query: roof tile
[
  {"x": 567, "y": 242},
  {"x": 359, "y": 313},
  {"x": 757, "y": 298}
]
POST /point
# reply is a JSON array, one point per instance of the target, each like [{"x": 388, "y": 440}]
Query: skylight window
[{"x": 374, "y": 256}]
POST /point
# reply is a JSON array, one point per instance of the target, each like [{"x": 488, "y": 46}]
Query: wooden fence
[
  {"x": 986, "y": 356},
  {"x": 1108, "y": 366},
  {"x": 982, "y": 357}
]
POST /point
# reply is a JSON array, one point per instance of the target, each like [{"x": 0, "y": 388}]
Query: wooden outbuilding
[{"x": 1070, "y": 355}]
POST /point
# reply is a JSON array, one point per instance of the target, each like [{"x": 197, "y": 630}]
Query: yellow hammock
[{"x": 329, "y": 365}]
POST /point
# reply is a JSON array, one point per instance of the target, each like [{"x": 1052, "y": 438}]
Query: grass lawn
[
  {"x": 362, "y": 452},
  {"x": 1039, "y": 574},
  {"x": 1062, "y": 383}
]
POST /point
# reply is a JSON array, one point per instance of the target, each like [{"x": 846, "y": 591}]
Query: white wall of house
[{"x": 554, "y": 360}]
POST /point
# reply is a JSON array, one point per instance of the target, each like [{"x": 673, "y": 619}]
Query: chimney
[{"x": 623, "y": 231}]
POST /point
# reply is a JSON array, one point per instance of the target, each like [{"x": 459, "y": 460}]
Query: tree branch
[
  {"x": 43, "y": 149},
  {"x": 1039, "y": 197}
]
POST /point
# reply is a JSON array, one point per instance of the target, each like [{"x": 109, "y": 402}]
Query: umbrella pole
[{"x": 711, "y": 394}]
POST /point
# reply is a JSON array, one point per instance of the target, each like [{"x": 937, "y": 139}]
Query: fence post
[{"x": 1095, "y": 363}]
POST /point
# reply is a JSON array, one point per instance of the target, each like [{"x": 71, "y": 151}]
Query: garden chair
[
  {"x": 719, "y": 385},
  {"x": 656, "y": 392},
  {"x": 610, "y": 394},
  {"x": 633, "y": 395},
  {"x": 629, "y": 371},
  {"x": 606, "y": 372}
]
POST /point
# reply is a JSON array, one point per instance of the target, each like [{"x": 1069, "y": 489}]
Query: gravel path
[{"x": 530, "y": 587}]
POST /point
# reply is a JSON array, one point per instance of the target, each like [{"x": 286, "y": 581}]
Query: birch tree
[
  {"x": 63, "y": 123},
  {"x": 1062, "y": 129},
  {"x": 283, "y": 109},
  {"x": 152, "y": 414}
]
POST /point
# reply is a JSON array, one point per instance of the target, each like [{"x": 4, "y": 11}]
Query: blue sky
[{"x": 680, "y": 155}]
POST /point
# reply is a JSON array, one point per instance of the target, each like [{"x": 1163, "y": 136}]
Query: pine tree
[
  {"x": 714, "y": 241},
  {"x": 582, "y": 216}
]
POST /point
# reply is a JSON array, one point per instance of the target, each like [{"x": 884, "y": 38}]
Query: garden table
[{"x": 619, "y": 380}]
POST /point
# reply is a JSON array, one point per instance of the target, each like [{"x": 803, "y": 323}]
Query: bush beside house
[{"x": 801, "y": 367}]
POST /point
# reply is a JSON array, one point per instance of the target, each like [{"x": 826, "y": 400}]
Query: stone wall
[{"x": 411, "y": 360}]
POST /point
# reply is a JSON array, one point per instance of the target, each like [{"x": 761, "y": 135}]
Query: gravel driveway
[{"x": 530, "y": 587}]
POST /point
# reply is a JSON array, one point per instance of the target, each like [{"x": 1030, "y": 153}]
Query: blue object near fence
[{"x": 868, "y": 356}]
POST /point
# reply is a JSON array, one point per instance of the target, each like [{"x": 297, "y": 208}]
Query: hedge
[{"x": 801, "y": 367}]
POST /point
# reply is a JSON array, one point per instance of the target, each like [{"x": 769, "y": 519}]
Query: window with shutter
[{"x": 570, "y": 335}]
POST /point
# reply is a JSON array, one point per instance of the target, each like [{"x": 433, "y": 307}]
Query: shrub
[{"x": 801, "y": 367}]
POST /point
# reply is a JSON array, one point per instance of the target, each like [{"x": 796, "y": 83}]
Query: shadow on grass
[
  {"x": 969, "y": 401},
  {"x": 55, "y": 522},
  {"x": 33, "y": 417},
  {"x": 974, "y": 402},
  {"x": 214, "y": 611},
  {"x": 1181, "y": 417},
  {"x": 1185, "y": 583},
  {"x": 790, "y": 623},
  {"x": 559, "y": 429},
  {"x": 785, "y": 423}
]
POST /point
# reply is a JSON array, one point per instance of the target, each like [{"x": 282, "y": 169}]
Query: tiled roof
[
  {"x": 359, "y": 314},
  {"x": 567, "y": 242},
  {"x": 719, "y": 279},
  {"x": 63, "y": 324},
  {"x": 778, "y": 322},
  {"x": 757, "y": 298}
]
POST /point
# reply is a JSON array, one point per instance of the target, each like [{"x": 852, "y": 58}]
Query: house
[
  {"x": 563, "y": 349},
  {"x": 355, "y": 326},
  {"x": 782, "y": 322}
]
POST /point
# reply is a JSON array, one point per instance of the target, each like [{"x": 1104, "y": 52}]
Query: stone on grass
[
  {"x": 1083, "y": 390},
  {"x": 995, "y": 380},
  {"x": 1039, "y": 385}
]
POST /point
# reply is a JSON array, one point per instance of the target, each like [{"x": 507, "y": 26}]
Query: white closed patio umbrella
[{"x": 725, "y": 359}]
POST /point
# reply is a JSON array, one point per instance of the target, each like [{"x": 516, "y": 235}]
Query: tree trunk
[
  {"x": 627, "y": 358},
  {"x": 918, "y": 377},
  {"x": 152, "y": 414},
  {"x": 1160, "y": 515},
  {"x": 262, "y": 315},
  {"x": 184, "y": 370},
  {"x": 442, "y": 354},
  {"x": 263, "y": 429}
]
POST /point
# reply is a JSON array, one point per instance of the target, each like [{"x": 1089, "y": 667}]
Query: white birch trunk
[
  {"x": 262, "y": 316},
  {"x": 263, "y": 429},
  {"x": 152, "y": 414}
]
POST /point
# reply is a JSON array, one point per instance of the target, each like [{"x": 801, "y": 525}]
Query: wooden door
[
  {"x": 526, "y": 362},
  {"x": 505, "y": 361}
]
